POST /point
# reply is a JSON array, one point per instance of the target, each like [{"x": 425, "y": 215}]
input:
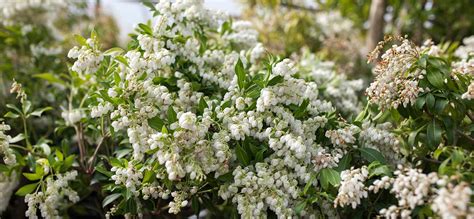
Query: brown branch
[
  {"x": 94, "y": 156},
  {"x": 376, "y": 24},
  {"x": 80, "y": 144},
  {"x": 471, "y": 139}
]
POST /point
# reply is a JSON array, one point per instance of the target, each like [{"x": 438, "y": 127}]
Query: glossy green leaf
[
  {"x": 240, "y": 72},
  {"x": 172, "y": 117},
  {"x": 433, "y": 134},
  {"x": 26, "y": 189},
  {"x": 32, "y": 176},
  {"x": 430, "y": 101},
  {"x": 372, "y": 155},
  {"x": 156, "y": 123},
  {"x": 110, "y": 198},
  {"x": 329, "y": 176},
  {"x": 242, "y": 156},
  {"x": 435, "y": 78}
]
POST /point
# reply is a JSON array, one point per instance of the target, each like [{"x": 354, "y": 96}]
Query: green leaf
[
  {"x": 345, "y": 162},
  {"x": 242, "y": 156},
  {"x": 372, "y": 155},
  {"x": 11, "y": 115},
  {"x": 114, "y": 51},
  {"x": 309, "y": 183},
  {"x": 443, "y": 167},
  {"x": 69, "y": 161},
  {"x": 383, "y": 170},
  {"x": 435, "y": 78},
  {"x": 156, "y": 123},
  {"x": 300, "y": 207},
  {"x": 148, "y": 177},
  {"x": 164, "y": 130},
  {"x": 172, "y": 117},
  {"x": 3, "y": 168},
  {"x": 275, "y": 80},
  {"x": 26, "y": 107},
  {"x": 240, "y": 72},
  {"x": 433, "y": 134},
  {"x": 430, "y": 101},
  {"x": 202, "y": 105},
  {"x": 123, "y": 152},
  {"x": 440, "y": 105},
  {"x": 420, "y": 102},
  {"x": 122, "y": 60},
  {"x": 146, "y": 29},
  {"x": 110, "y": 198},
  {"x": 13, "y": 107},
  {"x": 26, "y": 189},
  {"x": 17, "y": 138},
  {"x": 302, "y": 108},
  {"x": 329, "y": 176},
  {"x": 102, "y": 170},
  {"x": 259, "y": 155},
  {"x": 422, "y": 61},
  {"x": 450, "y": 129},
  {"x": 195, "y": 205},
  {"x": 79, "y": 39},
  {"x": 149, "y": 5},
  {"x": 226, "y": 104},
  {"x": 59, "y": 155},
  {"x": 32, "y": 176},
  {"x": 51, "y": 78},
  {"x": 226, "y": 26},
  {"x": 39, "y": 112},
  {"x": 362, "y": 114},
  {"x": 457, "y": 157}
]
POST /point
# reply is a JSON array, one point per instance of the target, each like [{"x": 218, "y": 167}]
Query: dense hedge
[{"x": 195, "y": 116}]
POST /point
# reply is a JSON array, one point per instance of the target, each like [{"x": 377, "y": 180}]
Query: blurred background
[
  {"x": 343, "y": 31},
  {"x": 128, "y": 13},
  {"x": 340, "y": 30}
]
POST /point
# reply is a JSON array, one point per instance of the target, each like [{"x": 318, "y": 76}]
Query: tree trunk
[{"x": 376, "y": 24}]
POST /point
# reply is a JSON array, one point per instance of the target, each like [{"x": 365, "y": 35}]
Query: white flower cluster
[
  {"x": 72, "y": 116},
  {"x": 466, "y": 51},
  {"x": 379, "y": 137},
  {"x": 342, "y": 93},
  {"x": 466, "y": 64},
  {"x": 53, "y": 197},
  {"x": 352, "y": 189},
  {"x": 8, "y": 154},
  {"x": 154, "y": 191},
  {"x": 40, "y": 50},
  {"x": 88, "y": 57},
  {"x": 411, "y": 187},
  {"x": 343, "y": 137},
  {"x": 129, "y": 177},
  {"x": 11, "y": 9},
  {"x": 268, "y": 186},
  {"x": 452, "y": 202},
  {"x": 395, "y": 84},
  {"x": 333, "y": 24},
  {"x": 469, "y": 93},
  {"x": 243, "y": 35},
  {"x": 8, "y": 185},
  {"x": 181, "y": 104}
]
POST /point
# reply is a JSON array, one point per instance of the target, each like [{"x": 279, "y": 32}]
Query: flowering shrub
[
  {"x": 35, "y": 35},
  {"x": 195, "y": 117}
]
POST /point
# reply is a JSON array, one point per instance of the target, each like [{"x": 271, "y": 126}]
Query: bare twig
[
  {"x": 471, "y": 139},
  {"x": 94, "y": 156}
]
